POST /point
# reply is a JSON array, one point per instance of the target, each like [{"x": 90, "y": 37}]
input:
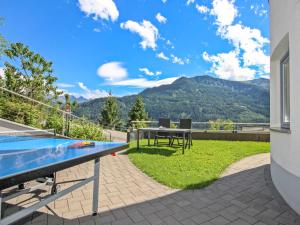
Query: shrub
[
  {"x": 86, "y": 130},
  {"x": 21, "y": 112},
  {"x": 221, "y": 124},
  {"x": 55, "y": 121}
]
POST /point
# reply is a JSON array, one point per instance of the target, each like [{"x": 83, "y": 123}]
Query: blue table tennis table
[{"x": 26, "y": 158}]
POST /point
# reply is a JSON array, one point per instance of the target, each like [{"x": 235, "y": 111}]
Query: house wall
[{"x": 285, "y": 146}]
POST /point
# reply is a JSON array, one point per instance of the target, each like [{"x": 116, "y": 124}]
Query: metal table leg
[
  {"x": 0, "y": 206},
  {"x": 96, "y": 186},
  {"x": 138, "y": 139},
  {"x": 183, "y": 142},
  {"x": 190, "y": 139}
]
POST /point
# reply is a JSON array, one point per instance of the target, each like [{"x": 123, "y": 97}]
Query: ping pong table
[{"x": 25, "y": 158}]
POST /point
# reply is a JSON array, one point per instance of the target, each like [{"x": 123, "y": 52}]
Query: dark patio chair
[
  {"x": 183, "y": 124},
  {"x": 165, "y": 123}
]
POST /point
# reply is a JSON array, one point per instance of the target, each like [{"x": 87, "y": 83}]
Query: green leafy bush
[
  {"x": 85, "y": 130},
  {"x": 21, "y": 112},
  {"x": 221, "y": 124},
  {"x": 55, "y": 121}
]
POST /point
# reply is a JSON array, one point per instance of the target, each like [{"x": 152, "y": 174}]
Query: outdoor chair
[
  {"x": 183, "y": 124},
  {"x": 164, "y": 123}
]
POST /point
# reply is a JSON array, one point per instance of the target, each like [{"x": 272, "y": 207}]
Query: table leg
[
  {"x": 96, "y": 186},
  {"x": 183, "y": 142},
  {"x": 148, "y": 138},
  {"x": 138, "y": 139},
  {"x": 0, "y": 205},
  {"x": 190, "y": 139}
]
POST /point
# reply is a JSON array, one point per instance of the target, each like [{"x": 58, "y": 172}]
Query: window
[{"x": 285, "y": 91}]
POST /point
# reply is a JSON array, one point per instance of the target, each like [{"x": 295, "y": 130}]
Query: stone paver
[{"x": 243, "y": 195}]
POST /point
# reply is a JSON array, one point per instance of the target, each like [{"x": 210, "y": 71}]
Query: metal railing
[
  {"x": 65, "y": 120},
  {"x": 212, "y": 126}
]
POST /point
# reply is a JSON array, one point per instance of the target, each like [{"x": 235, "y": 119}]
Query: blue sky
[{"x": 99, "y": 46}]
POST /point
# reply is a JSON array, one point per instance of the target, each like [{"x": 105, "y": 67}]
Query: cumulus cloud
[
  {"x": 90, "y": 94},
  {"x": 85, "y": 92},
  {"x": 103, "y": 9},
  {"x": 248, "y": 56},
  {"x": 160, "y": 18},
  {"x": 146, "y": 30},
  {"x": 144, "y": 83},
  {"x": 202, "y": 9},
  {"x": 162, "y": 56},
  {"x": 150, "y": 73},
  {"x": 227, "y": 66},
  {"x": 177, "y": 60},
  {"x": 112, "y": 71},
  {"x": 251, "y": 42},
  {"x": 188, "y": 2},
  {"x": 180, "y": 61},
  {"x": 225, "y": 12},
  {"x": 259, "y": 9}
]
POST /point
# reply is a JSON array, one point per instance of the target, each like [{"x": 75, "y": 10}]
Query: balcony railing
[{"x": 212, "y": 126}]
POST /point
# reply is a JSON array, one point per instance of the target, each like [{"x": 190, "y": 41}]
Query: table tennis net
[{"x": 23, "y": 135}]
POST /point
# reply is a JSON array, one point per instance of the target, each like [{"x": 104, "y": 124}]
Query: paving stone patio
[{"x": 243, "y": 195}]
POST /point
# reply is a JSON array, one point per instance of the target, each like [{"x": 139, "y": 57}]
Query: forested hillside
[{"x": 201, "y": 98}]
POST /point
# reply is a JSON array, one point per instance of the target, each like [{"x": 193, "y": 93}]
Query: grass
[{"x": 198, "y": 167}]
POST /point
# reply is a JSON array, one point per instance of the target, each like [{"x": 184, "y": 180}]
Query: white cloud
[
  {"x": 188, "y": 2},
  {"x": 150, "y": 73},
  {"x": 180, "y": 61},
  {"x": 251, "y": 42},
  {"x": 202, "y": 9},
  {"x": 160, "y": 18},
  {"x": 225, "y": 12},
  {"x": 65, "y": 85},
  {"x": 1, "y": 72},
  {"x": 147, "y": 31},
  {"x": 90, "y": 94},
  {"x": 259, "y": 9},
  {"x": 164, "y": 1},
  {"x": 162, "y": 56},
  {"x": 86, "y": 93},
  {"x": 97, "y": 30},
  {"x": 103, "y": 9},
  {"x": 248, "y": 57},
  {"x": 144, "y": 83},
  {"x": 228, "y": 66},
  {"x": 112, "y": 71},
  {"x": 168, "y": 42}
]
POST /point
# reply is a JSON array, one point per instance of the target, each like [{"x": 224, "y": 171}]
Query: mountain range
[{"x": 201, "y": 98}]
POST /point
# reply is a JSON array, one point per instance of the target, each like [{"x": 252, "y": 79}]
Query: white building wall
[{"x": 285, "y": 147}]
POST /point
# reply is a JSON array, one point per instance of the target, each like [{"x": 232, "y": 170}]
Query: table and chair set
[{"x": 164, "y": 131}]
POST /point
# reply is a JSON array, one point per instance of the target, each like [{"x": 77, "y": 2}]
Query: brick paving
[{"x": 243, "y": 195}]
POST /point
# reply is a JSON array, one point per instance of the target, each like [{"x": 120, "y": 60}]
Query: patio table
[{"x": 150, "y": 130}]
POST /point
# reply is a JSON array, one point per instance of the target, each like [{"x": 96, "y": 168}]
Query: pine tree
[
  {"x": 110, "y": 113},
  {"x": 138, "y": 112}
]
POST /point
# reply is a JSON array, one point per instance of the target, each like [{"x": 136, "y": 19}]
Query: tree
[
  {"x": 138, "y": 112},
  {"x": 3, "y": 42},
  {"x": 110, "y": 112},
  {"x": 29, "y": 74},
  {"x": 71, "y": 105}
]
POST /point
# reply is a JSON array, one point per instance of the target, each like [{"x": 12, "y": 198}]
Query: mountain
[
  {"x": 261, "y": 82},
  {"x": 201, "y": 98},
  {"x": 79, "y": 99}
]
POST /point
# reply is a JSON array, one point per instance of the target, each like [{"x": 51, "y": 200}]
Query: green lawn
[{"x": 198, "y": 167}]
